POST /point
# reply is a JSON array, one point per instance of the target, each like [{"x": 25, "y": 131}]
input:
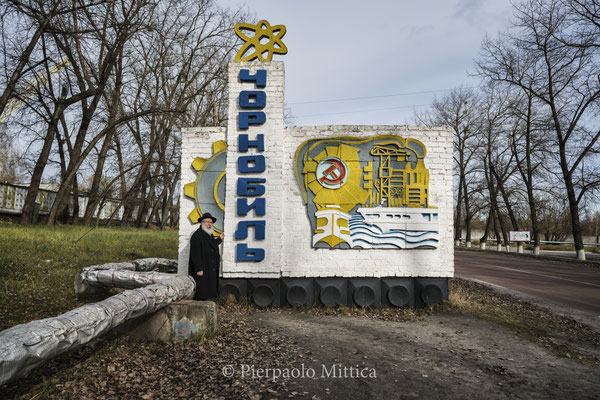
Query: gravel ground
[{"x": 443, "y": 352}]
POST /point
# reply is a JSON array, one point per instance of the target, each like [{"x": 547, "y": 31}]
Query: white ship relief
[
  {"x": 395, "y": 227},
  {"x": 401, "y": 218}
]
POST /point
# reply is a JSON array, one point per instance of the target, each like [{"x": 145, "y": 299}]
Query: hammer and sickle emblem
[{"x": 332, "y": 172}]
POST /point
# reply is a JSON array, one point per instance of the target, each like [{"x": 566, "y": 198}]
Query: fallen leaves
[{"x": 133, "y": 369}]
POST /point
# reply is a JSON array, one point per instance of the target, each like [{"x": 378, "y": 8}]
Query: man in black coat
[{"x": 205, "y": 259}]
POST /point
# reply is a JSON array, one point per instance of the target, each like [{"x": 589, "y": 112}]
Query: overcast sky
[{"x": 347, "y": 49}]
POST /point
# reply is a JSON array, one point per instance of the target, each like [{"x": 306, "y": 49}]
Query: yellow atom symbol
[{"x": 266, "y": 41}]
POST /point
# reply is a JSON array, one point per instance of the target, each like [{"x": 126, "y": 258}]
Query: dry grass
[
  {"x": 38, "y": 263},
  {"x": 560, "y": 334}
]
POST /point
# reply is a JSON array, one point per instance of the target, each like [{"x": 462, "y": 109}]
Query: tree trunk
[
  {"x": 468, "y": 215},
  {"x": 127, "y": 210},
  {"x": 527, "y": 174},
  {"x": 504, "y": 195},
  {"x": 121, "y": 165},
  {"x": 155, "y": 207},
  {"x": 169, "y": 202},
  {"x": 114, "y": 102},
  {"x": 174, "y": 216},
  {"x": 495, "y": 207},
  {"x": 488, "y": 223},
  {"x": 150, "y": 200},
  {"x": 74, "y": 161},
  {"x": 497, "y": 232},
  {"x": 457, "y": 222},
  {"x": 128, "y": 202},
  {"x": 60, "y": 143},
  {"x": 40, "y": 165},
  {"x": 503, "y": 230},
  {"x": 575, "y": 224},
  {"x": 75, "y": 201},
  {"x": 94, "y": 194},
  {"x": 534, "y": 221},
  {"x": 142, "y": 203}
]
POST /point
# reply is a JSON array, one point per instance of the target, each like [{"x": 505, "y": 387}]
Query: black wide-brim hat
[{"x": 207, "y": 215}]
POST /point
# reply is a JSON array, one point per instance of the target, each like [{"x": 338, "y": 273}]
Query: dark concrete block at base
[
  {"x": 297, "y": 292},
  {"x": 398, "y": 292},
  {"x": 181, "y": 320},
  {"x": 332, "y": 292},
  {"x": 264, "y": 292},
  {"x": 430, "y": 291},
  {"x": 237, "y": 287},
  {"x": 365, "y": 292}
]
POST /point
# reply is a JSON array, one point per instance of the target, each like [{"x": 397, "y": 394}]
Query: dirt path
[{"x": 450, "y": 356}]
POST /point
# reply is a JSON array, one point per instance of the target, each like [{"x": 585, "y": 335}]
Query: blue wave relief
[{"x": 369, "y": 236}]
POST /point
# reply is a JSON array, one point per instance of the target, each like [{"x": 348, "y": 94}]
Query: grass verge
[
  {"x": 559, "y": 334},
  {"x": 38, "y": 263}
]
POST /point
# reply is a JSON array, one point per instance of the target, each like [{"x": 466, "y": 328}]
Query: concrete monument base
[
  {"x": 181, "y": 320},
  {"x": 336, "y": 291}
]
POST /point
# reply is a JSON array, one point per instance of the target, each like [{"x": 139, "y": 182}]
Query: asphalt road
[{"x": 569, "y": 285}]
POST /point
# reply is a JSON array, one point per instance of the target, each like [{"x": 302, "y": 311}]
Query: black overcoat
[{"x": 204, "y": 256}]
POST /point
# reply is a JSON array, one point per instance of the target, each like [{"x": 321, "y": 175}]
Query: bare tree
[
  {"x": 529, "y": 147},
  {"x": 39, "y": 18},
  {"x": 137, "y": 71},
  {"x": 184, "y": 59},
  {"x": 93, "y": 57},
  {"x": 37, "y": 63},
  {"x": 112, "y": 99},
  {"x": 554, "y": 218},
  {"x": 564, "y": 77},
  {"x": 458, "y": 110},
  {"x": 584, "y": 18},
  {"x": 497, "y": 158}
]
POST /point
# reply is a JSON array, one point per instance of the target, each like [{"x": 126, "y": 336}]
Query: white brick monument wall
[
  {"x": 195, "y": 142},
  {"x": 288, "y": 251},
  {"x": 302, "y": 260}
]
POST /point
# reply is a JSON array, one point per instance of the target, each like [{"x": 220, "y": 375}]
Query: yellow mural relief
[
  {"x": 416, "y": 185},
  {"x": 208, "y": 191},
  {"x": 367, "y": 192},
  {"x": 334, "y": 176},
  {"x": 400, "y": 187},
  {"x": 262, "y": 51}
]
